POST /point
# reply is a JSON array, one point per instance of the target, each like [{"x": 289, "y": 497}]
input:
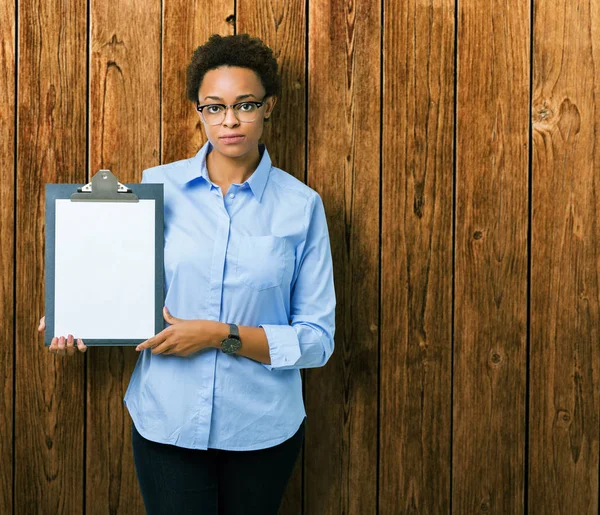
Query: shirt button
[{"x": 231, "y": 195}]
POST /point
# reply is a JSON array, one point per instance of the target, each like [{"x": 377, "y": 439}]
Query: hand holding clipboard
[{"x": 61, "y": 345}]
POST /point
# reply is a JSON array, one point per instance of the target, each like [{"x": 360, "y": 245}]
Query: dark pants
[{"x": 174, "y": 480}]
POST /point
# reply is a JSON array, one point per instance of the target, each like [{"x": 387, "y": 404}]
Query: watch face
[{"x": 230, "y": 345}]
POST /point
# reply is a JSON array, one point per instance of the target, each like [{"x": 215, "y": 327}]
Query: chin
[{"x": 232, "y": 151}]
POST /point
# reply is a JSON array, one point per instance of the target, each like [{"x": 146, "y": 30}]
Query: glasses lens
[
  {"x": 213, "y": 114},
  {"x": 246, "y": 112}
]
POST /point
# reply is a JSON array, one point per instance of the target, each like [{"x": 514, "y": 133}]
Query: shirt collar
[{"x": 197, "y": 168}]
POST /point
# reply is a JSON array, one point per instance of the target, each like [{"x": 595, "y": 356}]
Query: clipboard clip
[{"x": 104, "y": 188}]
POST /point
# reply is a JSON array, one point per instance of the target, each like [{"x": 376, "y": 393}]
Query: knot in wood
[{"x": 495, "y": 358}]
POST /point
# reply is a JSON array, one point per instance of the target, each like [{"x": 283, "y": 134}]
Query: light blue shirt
[{"x": 258, "y": 257}]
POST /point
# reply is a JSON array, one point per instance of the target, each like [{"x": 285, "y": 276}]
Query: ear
[{"x": 270, "y": 106}]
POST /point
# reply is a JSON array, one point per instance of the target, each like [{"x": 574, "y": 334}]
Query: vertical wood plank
[
  {"x": 491, "y": 257},
  {"x": 7, "y": 235},
  {"x": 343, "y": 166},
  {"x": 282, "y": 27},
  {"x": 125, "y": 138},
  {"x": 563, "y": 466},
  {"x": 50, "y": 390},
  {"x": 187, "y": 25},
  {"x": 416, "y": 290}
]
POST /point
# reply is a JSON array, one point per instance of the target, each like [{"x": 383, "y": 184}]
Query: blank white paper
[{"x": 105, "y": 269}]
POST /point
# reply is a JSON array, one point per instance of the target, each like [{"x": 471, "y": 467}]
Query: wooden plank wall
[
  {"x": 7, "y": 220},
  {"x": 416, "y": 257},
  {"x": 49, "y": 400},
  {"x": 490, "y": 300},
  {"x": 456, "y": 147},
  {"x": 124, "y": 134},
  {"x": 565, "y": 257}
]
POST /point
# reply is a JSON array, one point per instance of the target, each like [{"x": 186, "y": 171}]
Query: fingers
[
  {"x": 80, "y": 345},
  {"x": 70, "y": 348},
  {"x": 163, "y": 348},
  {"x": 170, "y": 319},
  {"x": 144, "y": 345},
  {"x": 61, "y": 346},
  {"x": 66, "y": 347},
  {"x": 152, "y": 342},
  {"x": 158, "y": 344}
]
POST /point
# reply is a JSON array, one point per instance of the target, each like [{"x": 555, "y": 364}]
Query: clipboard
[{"x": 104, "y": 261}]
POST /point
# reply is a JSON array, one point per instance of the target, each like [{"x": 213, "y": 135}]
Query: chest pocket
[{"x": 261, "y": 261}]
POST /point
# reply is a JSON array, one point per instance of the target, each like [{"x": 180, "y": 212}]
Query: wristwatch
[{"x": 232, "y": 343}]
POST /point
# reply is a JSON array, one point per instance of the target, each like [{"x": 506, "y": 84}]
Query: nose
[{"x": 230, "y": 118}]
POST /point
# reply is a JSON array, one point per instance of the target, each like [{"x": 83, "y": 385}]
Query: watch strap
[{"x": 234, "y": 332}]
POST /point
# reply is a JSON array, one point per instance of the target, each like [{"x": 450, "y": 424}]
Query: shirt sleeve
[{"x": 308, "y": 341}]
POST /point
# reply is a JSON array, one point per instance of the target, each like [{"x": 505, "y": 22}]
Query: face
[{"x": 226, "y": 84}]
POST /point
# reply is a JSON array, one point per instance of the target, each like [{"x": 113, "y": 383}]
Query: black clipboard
[{"x": 114, "y": 222}]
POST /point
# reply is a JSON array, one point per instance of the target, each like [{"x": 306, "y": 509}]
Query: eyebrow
[{"x": 238, "y": 98}]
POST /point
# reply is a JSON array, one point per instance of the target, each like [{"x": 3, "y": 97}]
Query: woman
[{"x": 216, "y": 397}]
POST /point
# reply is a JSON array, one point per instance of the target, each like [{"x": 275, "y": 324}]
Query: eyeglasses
[{"x": 214, "y": 114}]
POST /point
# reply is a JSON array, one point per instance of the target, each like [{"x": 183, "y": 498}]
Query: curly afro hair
[{"x": 236, "y": 50}]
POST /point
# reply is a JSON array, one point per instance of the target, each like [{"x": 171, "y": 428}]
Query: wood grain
[
  {"x": 282, "y": 27},
  {"x": 49, "y": 396},
  {"x": 125, "y": 138},
  {"x": 563, "y": 465},
  {"x": 187, "y": 24},
  {"x": 343, "y": 166},
  {"x": 416, "y": 247},
  {"x": 7, "y": 235},
  {"x": 445, "y": 442},
  {"x": 491, "y": 257}
]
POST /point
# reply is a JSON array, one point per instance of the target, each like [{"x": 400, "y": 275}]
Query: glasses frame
[{"x": 258, "y": 105}]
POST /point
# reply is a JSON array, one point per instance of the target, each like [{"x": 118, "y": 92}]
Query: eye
[
  {"x": 249, "y": 106},
  {"x": 217, "y": 108}
]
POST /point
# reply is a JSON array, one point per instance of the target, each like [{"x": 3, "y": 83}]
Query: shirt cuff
[{"x": 284, "y": 347}]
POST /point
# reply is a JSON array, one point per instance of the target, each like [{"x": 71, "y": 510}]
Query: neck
[{"x": 228, "y": 170}]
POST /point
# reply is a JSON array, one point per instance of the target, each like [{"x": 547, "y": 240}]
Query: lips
[{"x": 232, "y": 139}]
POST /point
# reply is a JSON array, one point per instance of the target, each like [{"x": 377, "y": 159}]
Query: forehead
[{"x": 228, "y": 82}]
